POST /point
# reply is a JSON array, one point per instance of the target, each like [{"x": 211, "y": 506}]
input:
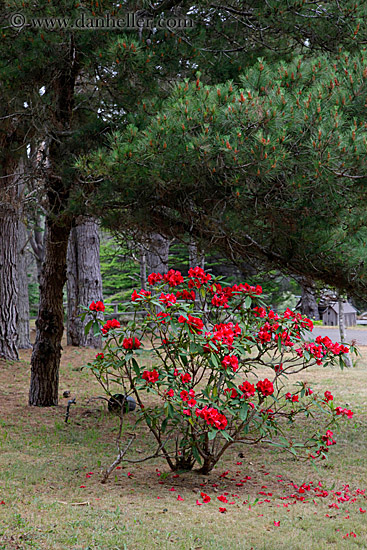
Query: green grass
[{"x": 44, "y": 462}]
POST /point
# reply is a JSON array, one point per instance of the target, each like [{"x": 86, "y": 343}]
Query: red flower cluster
[
  {"x": 222, "y": 334},
  {"x": 335, "y": 348},
  {"x": 198, "y": 277},
  {"x": 212, "y": 417},
  {"x": 185, "y": 377},
  {"x": 232, "y": 392},
  {"x": 186, "y": 295},
  {"x": 304, "y": 322},
  {"x": 220, "y": 299},
  {"x": 150, "y": 376},
  {"x": 247, "y": 388},
  {"x": 344, "y": 412},
  {"x": 195, "y": 323},
  {"x": 265, "y": 387},
  {"x": 247, "y": 289},
  {"x": 131, "y": 343},
  {"x": 290, "y": 397},
  {"x": 187, "y": 395},
  {"x": 154, "y": 278},
  {"x": 173, "y": 278},
  {"x": 230, "y": 361},
  {"x": 328, "y": 438},
  {"x": 142, "y": 294},
  {"x": 97, "y": 306},
  {"x": 111, "y": 324},
  {"x": 167, "y": 299},
  {"x": 328, "y": 396}
]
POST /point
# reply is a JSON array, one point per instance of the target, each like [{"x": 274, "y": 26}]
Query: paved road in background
[{"x": 360, "y": 335}]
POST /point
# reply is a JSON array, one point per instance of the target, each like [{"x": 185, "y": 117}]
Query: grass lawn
[{"x": 51, "y": 497}]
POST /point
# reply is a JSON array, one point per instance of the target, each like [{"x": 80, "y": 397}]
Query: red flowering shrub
[{"x": 207, "y": 341}]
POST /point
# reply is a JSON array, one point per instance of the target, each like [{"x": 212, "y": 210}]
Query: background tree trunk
[
  {"x": 8, "y": 282},
  {"x": 84, "y": 281},
  {"x": 196, "y": 256},
  {"x": 342, "y": 330},
  {"x": 309, "y": 305},
  {"x": 23, "y": 298},
  {"x": 9, "y": 217},
  {"x": 157, "y": 254}
]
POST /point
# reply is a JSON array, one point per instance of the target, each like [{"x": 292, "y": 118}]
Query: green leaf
[
  {"x": 88, "y": 326},
  {"x": 248, "y": 302},
  {"x": 212, "y": 434},
  {"x": 136, "y": 366},
  {"x": 196, "y": 454}
]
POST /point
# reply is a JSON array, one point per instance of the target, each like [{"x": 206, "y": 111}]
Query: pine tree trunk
[
  {"x": 50, "y": 321},
  {"x": 309, "y": 305},
  {"x": 84, "y": 281},
  {"x": 157, "y": 255},
  {"x": 23, "y": 298},
  {"x": 8, "y": 279}
]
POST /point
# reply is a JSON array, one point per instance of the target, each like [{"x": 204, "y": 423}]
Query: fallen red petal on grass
[
  {"x": 222, "y": 510},
  {"x": 199, "y": 503},
  {"x": 180, "y": 498},
  {"x": 277, "y": 523},
  {"x": 82, "y": 487},
  {"x": 172, "y": 489},
  {"x": 2, "y": 502},
  {"x": 118, "y": 467},
  {"x": 362, "y": 511},
  {"x": 206, "y": 498}
]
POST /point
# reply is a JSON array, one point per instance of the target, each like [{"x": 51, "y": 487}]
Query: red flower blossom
[
  {"x": 195, "y": 324},
  {"x": 186, "y": 295},
  {"x": 265, "y": 387},
  {"x": 154, "y": 278},
  {"x": 98, "y": 306},
  {"x": 222, "y": 510},
  {"x": 206, "y": 498},
  {"x": 131, "y": 343},
  {"x": 212, "y": 417},
  {"x": 150, "y": 376},
  {"x": 230, "y": 361},
  {"x": 100, "y": 356},
  {"x": 167, "y": 299},
  {"x": 247, "y": 388},
  {"x": 328, "y": 396},
  {"x": 232, "y": 392},
  {"x": 173, "y": 278},
  {"x": 111, "y": 324},
  {"x": 141, "y": 294},
  {"x": 185, "y": 377}
]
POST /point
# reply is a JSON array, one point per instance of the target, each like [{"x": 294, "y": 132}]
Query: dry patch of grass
[{"x": 53, "y": 498}]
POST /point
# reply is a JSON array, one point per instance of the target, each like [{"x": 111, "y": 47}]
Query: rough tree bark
[
  {"x": 157, "y": 253},
  {"x": 196, "y": 256},
  {"x": 309, "y": 305},
  {"x": 23, "y": 298},
  {"x": 9, "y": 216},
  {"x": 50, "y": 321},
  {"x": 84, "y": 281},
  {"x": 45, "y": 360}
]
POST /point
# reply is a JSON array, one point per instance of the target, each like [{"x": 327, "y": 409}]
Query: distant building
[{"x": 330, "y": 315}]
